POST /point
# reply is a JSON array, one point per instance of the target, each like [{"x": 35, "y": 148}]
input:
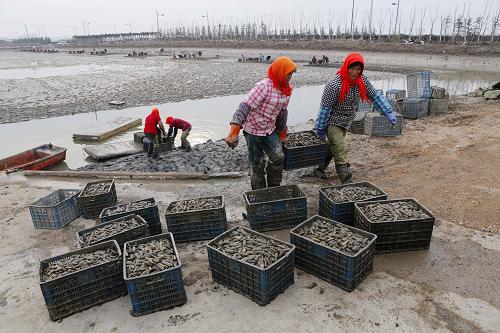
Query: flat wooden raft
[{"x": 111, "y": 128}]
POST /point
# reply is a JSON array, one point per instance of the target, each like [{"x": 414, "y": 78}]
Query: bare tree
[
  {"x": 422, "y": 18},
  {"x": 494, "y": 24},
  {"x": 412, "y": 23},
  {"x": 483, "y": 21},
  {"x": 433, "y": 21},
  {"x": 454, "y": 26},
  {"x": 381, "y": 22}
]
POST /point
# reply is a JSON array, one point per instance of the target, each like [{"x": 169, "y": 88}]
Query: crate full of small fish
[
  {"x": 146, "y": 208},
  {"x": 55, "y": 210},
  {"x": 257, "y": 266},
  {"x": 334, "y": 252},
  {"x": 196, "y": 219},
  {"x": 95, "y": 197},
  {"x": 400, "y": 224},
  {"x": 152, "y": 272},
  {"x": 121, "y": 230},
  {"x": 304, "y": 149},
  {"x": 276, "y": 207},
  {"x": 337, "y": 202},
  {"x": 81, "y": 279}
]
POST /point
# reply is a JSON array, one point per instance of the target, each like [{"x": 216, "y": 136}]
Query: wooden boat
[{"x": 33, "y": 159}]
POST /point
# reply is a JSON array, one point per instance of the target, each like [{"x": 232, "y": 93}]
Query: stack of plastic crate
[
  {"x": 419, "y": 92},
  {"x": 439, "y": 102}
]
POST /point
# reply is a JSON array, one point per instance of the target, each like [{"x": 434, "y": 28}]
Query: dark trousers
[{"x": 258, "y": 148}]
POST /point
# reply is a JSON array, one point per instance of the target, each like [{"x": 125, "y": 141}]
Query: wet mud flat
[{"x": 209, "y": 157}]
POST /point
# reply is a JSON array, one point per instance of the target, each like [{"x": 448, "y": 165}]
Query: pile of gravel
[{"x": 209, "y": 157}]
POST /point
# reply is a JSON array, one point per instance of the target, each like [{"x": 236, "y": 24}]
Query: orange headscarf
[
  {"x": 277, "y": 72},
  {"x": 347, "y": 83},
  {"x": 155, "y": 110}
]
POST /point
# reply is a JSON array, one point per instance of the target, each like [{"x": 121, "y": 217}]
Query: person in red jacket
[
  {"x": 152, "y": 126},
  {"x": 175, "y": 125}
]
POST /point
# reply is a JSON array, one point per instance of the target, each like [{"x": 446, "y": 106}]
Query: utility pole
[
  {"x": 208, "y": 25},
  {"x": 27, "y": 34},
  {"x": 397, "y": 14},
  {"x": 352, "y": 21},
  {"x": 130, "y": 25},
  {"x": 158, "y": 22},
  {"x": 88, "y": 28},
  {"x": 371, "y": 16},
  {"x": 83, "y": 22}
]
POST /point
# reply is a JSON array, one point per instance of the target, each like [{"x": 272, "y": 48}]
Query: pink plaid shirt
[{"x": 266, "y": 102}]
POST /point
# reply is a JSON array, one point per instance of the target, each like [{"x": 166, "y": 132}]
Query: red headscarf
[
  {"x": 277, "y": 72},
  {"x": 347, "y": 83}
]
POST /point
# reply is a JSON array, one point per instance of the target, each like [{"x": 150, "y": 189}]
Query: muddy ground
[
  {"x": 51, "y": 85},
  {"x": 448, "y": 163}
]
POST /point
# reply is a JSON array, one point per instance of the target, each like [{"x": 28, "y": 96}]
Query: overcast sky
[{"x": 63, "y": 18}]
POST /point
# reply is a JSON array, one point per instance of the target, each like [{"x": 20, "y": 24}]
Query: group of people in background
[
  {"x": 154, "y": 130},
  {"x": 261, "y": 58},
  {"x": 323, "y": 61},
  {"x": 187, "y": 55}
]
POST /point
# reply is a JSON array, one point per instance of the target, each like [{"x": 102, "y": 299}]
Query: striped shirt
[
  {"x": 341, "y": 114},
  {"x": 265, "y": 104}
]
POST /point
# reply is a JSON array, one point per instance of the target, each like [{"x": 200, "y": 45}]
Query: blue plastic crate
[
  {"x": 91, "y": 206},
  {"x": 149, "y": 214},
  {"x": 395, "y": 94},
  {"x": 438, "y": 92},
  {"x": 415, "y": 108},
  {"x": 55, "y": 210},
  {"x": 343, "y": 212},
  {"x": 438, "y": 106},
  {"x": 303, "y": 157},
  {"x": 376, "y": 124},
  {"x": 139, "y": 137},
  {"x": 156, "y": 291},
  {"x": 276, "y": 207},
  {"x": 81, "y": 290},
  {"x": 364, "y": 106},
  {"x": 419, "y": 84},
  {"x": 395, "y": 236},
  {"x": 259, "y": 285},
  {"x": 341, "y": 269},
  {"x": 197, "y": 224},
  {"x": 121, "y": 237}
]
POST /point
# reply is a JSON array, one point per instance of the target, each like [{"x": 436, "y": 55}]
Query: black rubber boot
[
  {"x": 150, "y": 149},
  {"x": 344, "y": 172},
  {"x": 318, "y": 173},
  {"x": 274, "y": 173},
  {"x": 155, "y": 152}
]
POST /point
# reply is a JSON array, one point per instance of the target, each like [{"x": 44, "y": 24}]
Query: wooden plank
[
  {"x": 133, "y": 175},
  {"x": 102, "y": 134}
]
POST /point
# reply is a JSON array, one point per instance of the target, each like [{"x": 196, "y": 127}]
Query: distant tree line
[{"x": 422, "y": 24}]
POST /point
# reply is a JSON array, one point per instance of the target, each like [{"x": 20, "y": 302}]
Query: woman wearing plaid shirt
[
  {"x": 339, "y": 105},
  {"x": 263, "y": 116}
]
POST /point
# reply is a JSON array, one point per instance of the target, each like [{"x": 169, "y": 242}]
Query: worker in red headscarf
[
  {"x": 263, "y": 117},
  {"x": 339, "y": 105},
  {"x": 152, "y": 127},
  {"x": 176, "y": 124}
]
